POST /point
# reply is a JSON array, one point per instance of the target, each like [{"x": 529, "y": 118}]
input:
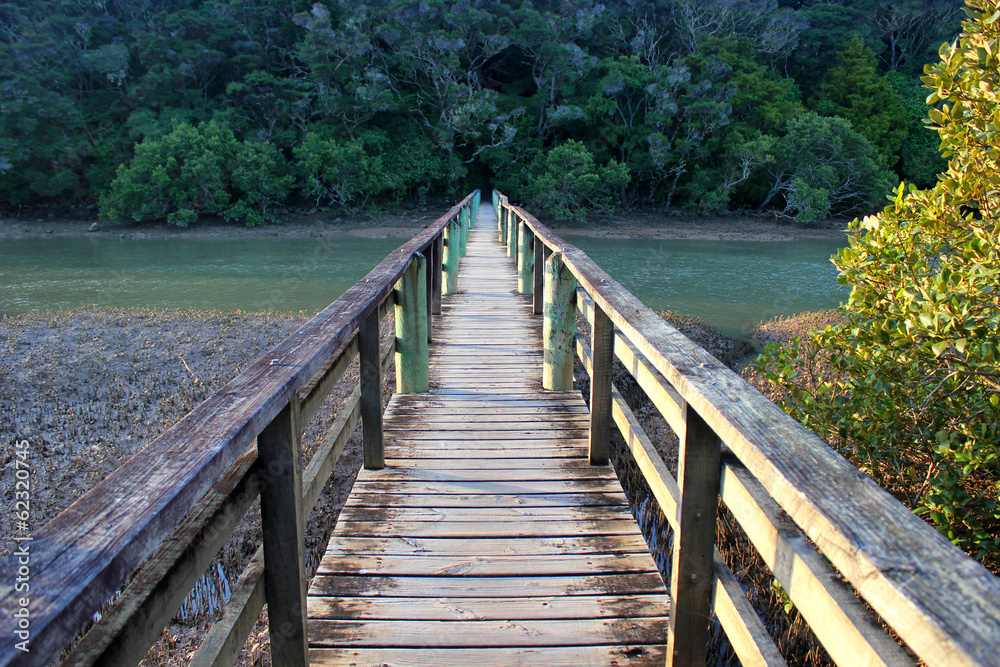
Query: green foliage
[
  {"x": 823, "y": 166},
  {"x": 338, "y": 173},
  {"x": 912, "y": 394},
  {"x": 920, "y": 159},
  {"x": 199, "y": 170},
  {"x": 567, "y": 183},
  {"x": 854, "y": 90},
  {"x": 692, "y": 97}
]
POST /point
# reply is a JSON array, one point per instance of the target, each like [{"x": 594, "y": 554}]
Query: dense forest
[{"x": 179, "y": 108}]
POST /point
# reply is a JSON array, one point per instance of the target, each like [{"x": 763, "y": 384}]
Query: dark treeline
[{"x": 178, "y": 108}]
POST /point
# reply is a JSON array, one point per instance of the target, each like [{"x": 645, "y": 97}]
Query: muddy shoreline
[{"x": 405, "y": 224}]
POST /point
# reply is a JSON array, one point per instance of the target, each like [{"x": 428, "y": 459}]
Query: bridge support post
[
  {"x": 464, "y": 220},
  {"x": 502, "y": 224},
  {"x": 284, "y": 539},
  {"x": 412, "y": 362},
  {"x": 525, "y": 259},
  {"x": 559, "y": 325},
  {"x": 511, "y": 239},
  {"x": 691, "y": 571},
  {"x": 436, "y": 274},
  {"x": 371, "y": 392},
  {"x": 602, "y": 336},
  {"x": 538, "y": 271},
  {"x": 451, "y": 253}
]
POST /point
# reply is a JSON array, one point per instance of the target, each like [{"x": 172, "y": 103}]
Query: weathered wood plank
[
  {"x": 493, "y": 566},
  {"x": 485, "y": 634},
  {"x": 460, "y": 548},
  {"x": 515, "y": 488},
  {"x": 570, "y": 656},
  {"x": 404, "y": 499},
  {"x": 482, "y": 608},
  {"x": 420, "y": 474},
  {"x": 422, "y": 587},
  {"x": 480, "y": 529}
]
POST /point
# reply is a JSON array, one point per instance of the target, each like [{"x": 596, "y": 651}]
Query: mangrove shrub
[
  {"x": 199, "y": 170},
  {"x": 913, "y": 391}
]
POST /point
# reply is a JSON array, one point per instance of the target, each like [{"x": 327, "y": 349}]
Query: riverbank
[{"x": 404, "y": 224}]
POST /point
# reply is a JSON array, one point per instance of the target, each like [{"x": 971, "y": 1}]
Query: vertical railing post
[
  {"x": 559, "y": 325},
  {"x": 602, "y": 336},
  {"x": 411, "y": 328},
  {"x": 511, "y": 239},
  {"x": 437, "y": 273},
  {"x": 371, "y": 391},
  {"x": 502, "y": 224},
  {"x": 691, "y": 571},
  {"x": 463, "y": 226},
  {"x": 428, "y": 288},
  {"x": 538, "y": 273},
  {"x": 451, "y": 254},
  {"x": 284, "y": 539},
  {"x": 525, "y": 258}
]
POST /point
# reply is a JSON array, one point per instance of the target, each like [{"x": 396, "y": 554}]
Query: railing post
[
  {"x": 412, "y": 365},
  {"x": 559, "y": 325},
  {"x": 436, "y": 274},
  {"x": 538, "y": 271},
  {"x": 525, "y": 258},
  {"x": 371, "y": 391},
  {"x": 602, "y": 335},
  {"x": 502, "y": 224},
  {"x": 691, "y": 571},
  {"x": 451, "y": 253},
  {"x": 284, "y": 539},
  {"x": 463, "y": 229},
  {"x": 511, "y": 239}
]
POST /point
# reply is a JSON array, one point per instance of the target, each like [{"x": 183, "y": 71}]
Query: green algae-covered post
[
  {"x": 451, "y": 254},
  {"x": 559, "y": 325},
  {"x": 525, "y": 258},
  {"x": 411, "y": 328}
]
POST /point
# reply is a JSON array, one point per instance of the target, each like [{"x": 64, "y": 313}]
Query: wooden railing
[
  {"x": 158, "y": 521},
  {"x": 814, "y": 519}
]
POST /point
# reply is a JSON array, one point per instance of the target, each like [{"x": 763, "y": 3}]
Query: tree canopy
[{"x": 694, "y": 100}]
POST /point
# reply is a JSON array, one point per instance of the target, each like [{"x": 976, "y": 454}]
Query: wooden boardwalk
[{"x": 488, "y": 539}]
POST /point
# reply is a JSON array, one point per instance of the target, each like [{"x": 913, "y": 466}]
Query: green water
[
  {"x": 732, "y": 285},
  {"x": 244, "y": 274}
]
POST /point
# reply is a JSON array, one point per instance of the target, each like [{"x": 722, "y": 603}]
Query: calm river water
[{"x": 732, "y": 285}]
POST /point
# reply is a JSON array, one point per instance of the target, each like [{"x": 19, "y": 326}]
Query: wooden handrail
[
  {"x": 81, "y": 558},
  {"x": 939, "y": 601}
]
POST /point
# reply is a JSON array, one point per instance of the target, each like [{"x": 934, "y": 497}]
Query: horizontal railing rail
[
  {"x": 814, "y": 518},
  {"x": 159, "y": 520}
]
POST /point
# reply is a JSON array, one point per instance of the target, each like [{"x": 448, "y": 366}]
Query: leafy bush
[
  {"x": 566, "y": 182},
  {"x": 912, "y": 394},
  {"x": 822, "y": 166},
  {"x": 338, "y": 173},
  {"x": 200, "y": 170}
]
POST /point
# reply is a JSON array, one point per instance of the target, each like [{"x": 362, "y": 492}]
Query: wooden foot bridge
[{"x": 488, "y": 526}]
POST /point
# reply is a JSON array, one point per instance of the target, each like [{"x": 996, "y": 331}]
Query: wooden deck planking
[{"x": 488, "y": 539}]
